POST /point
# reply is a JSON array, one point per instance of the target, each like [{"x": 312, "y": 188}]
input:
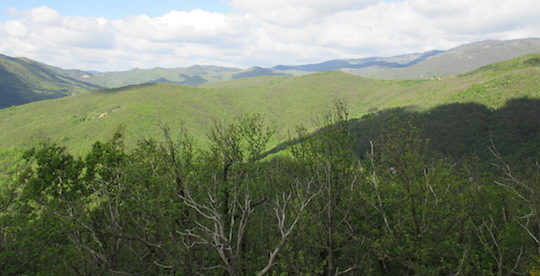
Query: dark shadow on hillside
[
  {"x": 14, "y": 92},
  {"x": 460, "y": 130}
]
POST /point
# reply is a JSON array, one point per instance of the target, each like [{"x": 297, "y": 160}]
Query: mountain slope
[
  {"x": 434, "y": 63},
  {"x": 285, "y": 102},
  {"x": 193, "y": 75},
  {"x": 458, "y": 60},
  {"x": 23, "y": 80},
  {"x": 383, "y": 62}
]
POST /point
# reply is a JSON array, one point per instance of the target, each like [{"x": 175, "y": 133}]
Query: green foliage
[
  {"x": 51, "y": 173},
  {"x": 398, "y": 192},
  {"x": 104, "y": 158},
  {"x": 77, "y": 122},
  {"x": 10, "y": 159},
  {"x": 462, "y": 131},
  {"x": 170, "y": 207}
]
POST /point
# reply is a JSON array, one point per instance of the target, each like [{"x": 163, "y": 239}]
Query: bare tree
[
  {"x": 288, "y": 216},
  {"x": 527, "y": 192},
  {"x": 226, "y": 233}
]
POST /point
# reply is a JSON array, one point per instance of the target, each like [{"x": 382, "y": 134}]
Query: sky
[{"x": 121, "y": 35}]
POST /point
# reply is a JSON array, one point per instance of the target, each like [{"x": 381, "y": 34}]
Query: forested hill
[
  {"x": 411, "y": 205},
  {"x": 23, "y": 80},
  {"x": 193, "y": 75},
  {"x": 457, "y": 131},
  {"x": 416, "y": 177},
  {"x": 79, "y": 120}
]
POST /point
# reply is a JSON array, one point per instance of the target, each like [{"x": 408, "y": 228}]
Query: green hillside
[
  {"x": 23, "y": 80},
  {"x": 193, "y": 75},
  {"x": 417, "y": 177},
  {"x": 285, "y": 101},
  {"x": 425, "y": 194}
]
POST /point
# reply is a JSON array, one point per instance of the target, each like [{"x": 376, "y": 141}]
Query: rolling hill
[
  {"x": 193, "y": 75},
  {"x": 434, "y": 63},
  {"x": 285, "y": 102},
  {"x": 23, "y": 80}
]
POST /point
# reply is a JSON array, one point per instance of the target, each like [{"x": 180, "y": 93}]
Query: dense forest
[{"x": 451, "y": 191}]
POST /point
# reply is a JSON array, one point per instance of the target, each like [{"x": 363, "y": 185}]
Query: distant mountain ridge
[
  {"x": 435, "y": 63},
  {"x": 337, "y": 64},
  {"x": 23, "y": 80},
  {"x": 458, "y": 60},
  {"x": 256, "y": 71},
  {"x": 193, "y": 75}
]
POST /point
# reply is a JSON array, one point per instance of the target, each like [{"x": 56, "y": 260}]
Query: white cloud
[
  {"x": 193, "y": 26},
  {"x": 13, "y": 28},
  {"x": 264, "y": 32},
  {"x": 42, "y": 15},
  {"x": 291, "y": 12}
]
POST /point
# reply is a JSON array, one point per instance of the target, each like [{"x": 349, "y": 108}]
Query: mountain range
[
  {"x": 455, "y": 61},
  {"x": 399, "y": 61},
  {"x": 23, "y": 80},
  {"x": 285, "y": 101},
  {"x": 417, "y": 164}
]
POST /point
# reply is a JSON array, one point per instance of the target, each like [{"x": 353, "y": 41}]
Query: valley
[
  {"x": 78, "y": 121},
  {"x": 419, "y": 164}
]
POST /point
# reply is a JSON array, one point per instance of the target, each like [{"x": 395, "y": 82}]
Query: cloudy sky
[{"x": 110, "y": 35}]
